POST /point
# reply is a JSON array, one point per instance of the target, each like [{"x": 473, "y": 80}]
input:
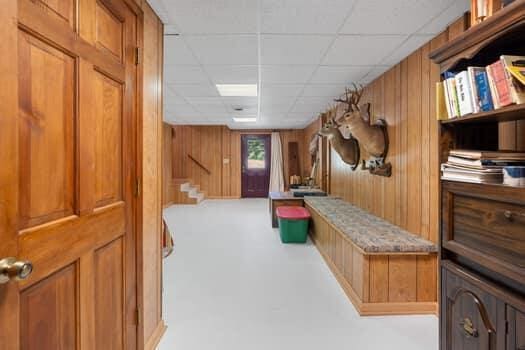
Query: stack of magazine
[{"x": 479, "y": 166}]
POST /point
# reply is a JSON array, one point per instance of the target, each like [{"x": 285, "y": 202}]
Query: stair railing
[{"x": 199, "y": 164}]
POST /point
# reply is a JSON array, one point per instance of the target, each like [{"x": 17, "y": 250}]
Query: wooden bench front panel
[{"x": 377, "y": 283}]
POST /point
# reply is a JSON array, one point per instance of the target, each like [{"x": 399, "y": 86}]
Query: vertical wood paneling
[{"x": 414, "y": 143}]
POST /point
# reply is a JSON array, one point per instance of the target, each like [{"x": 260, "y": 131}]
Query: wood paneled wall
[
  {"x": 219, "y": 149},
  {"x": 151, "y": 326},
  {"x": 405, "y": 97}
]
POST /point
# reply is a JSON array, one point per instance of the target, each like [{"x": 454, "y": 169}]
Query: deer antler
[{"x": 352, "y": 97}]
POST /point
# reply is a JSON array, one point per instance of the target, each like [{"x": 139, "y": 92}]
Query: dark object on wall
[
  {"x": 293, "y": 158},
  {"x": 372, "y": 137},
  {"x": 348, "y": 149}
]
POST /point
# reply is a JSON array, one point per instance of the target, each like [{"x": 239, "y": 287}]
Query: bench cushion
[{"x": 369, "y": 232}]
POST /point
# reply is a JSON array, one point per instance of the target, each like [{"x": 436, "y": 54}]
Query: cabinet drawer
[
  {"x": 489, "y": 230},
  {"x": 472, "y": 318}
]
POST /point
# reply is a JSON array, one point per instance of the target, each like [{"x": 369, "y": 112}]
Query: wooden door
[
  {"x": 255, "y": 151},
  {"x": 68, "y": 136}
]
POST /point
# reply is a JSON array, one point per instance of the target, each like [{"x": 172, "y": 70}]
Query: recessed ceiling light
[
  {"x": 237, "y": 90},
  {"x": 244, "y": 119}
]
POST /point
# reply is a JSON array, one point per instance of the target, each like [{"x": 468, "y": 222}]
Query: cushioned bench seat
[
  {"x": 383, "y": 269},
  {"x": 368, "y": 232}
]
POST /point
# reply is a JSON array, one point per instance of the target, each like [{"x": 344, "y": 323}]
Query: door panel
[
  {"x": 46, "y": 138},
  {"x": 63, "y": 10},
  {"x": 109, "y": 30},
  {"x": 108, "y": 140},
  {"x": 48, "y": 313},
  {"x": 74, "y": 164},
  {"x": 255, "y": 165},
  {"x": 109, "y": 272}
]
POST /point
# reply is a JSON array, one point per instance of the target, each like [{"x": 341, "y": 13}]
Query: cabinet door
[
  {"x": 472, "y": 319},
  {"x": 516, "y": 334}
]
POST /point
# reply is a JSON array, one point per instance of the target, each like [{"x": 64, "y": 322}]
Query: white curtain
[{"x": 276, "y": 166}]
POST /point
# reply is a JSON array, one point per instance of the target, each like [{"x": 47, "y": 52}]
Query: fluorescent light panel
[
  {"x": 237, "y": 90},
  {"x": 244, "y": 119}
]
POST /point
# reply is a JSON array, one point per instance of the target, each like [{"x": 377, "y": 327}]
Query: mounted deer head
[
  {"x": 348, "y": 149},
  {"x": 372, "y": 137}
]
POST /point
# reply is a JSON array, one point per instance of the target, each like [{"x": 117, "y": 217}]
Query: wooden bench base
[{"x": 379, "y": 283}]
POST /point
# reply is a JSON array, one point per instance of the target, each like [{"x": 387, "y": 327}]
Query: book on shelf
[
  {"x": 464, "y": 93},
  {"x": 488, "y": 155},
  {"x": 517, "y": 88},
  {"x": 499, "y": 86},
  {"x": 479, "y": 166},
  {"x": 518, "y": 73},
  {"x": 481, "y": 97},
  {"x": 483, "y": 163},
  {"x": 442, "y": 107},
  {"x": 452, "y": 97}
]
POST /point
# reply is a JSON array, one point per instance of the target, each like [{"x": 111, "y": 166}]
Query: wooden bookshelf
[
  {"x": 482, "y": 255},
  {"x": 505, "y": 114}
]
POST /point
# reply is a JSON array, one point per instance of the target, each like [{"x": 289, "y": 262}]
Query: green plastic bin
[{"x": 293, "y": 224}]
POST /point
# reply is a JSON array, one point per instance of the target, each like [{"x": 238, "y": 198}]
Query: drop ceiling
[{"x": 301, "y": 53}]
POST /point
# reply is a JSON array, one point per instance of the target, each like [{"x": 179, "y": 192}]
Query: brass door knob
[{"x": 10, "y": 268}]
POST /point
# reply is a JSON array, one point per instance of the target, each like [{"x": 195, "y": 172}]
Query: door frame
[{"x": 266, "y": 135}]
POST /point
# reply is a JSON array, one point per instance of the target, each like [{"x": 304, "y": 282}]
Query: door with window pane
[{"x": 255, "y": 165}]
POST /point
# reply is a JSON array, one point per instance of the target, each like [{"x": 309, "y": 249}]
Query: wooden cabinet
[
  {"x": 477, "y": 314},
  {"x": 516, "y": 329}
]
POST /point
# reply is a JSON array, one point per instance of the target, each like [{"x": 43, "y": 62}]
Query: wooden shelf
[
  {"x": 468, "y": 44},
  {"x": 505, "y": 114}
]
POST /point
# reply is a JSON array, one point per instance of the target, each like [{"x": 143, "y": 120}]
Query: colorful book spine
[
  {"x": 453, "y": 95},
  {"x": 442, "y": 109},
  {"x": 501, "y": 84},
  {"x": 464, "y": 92},
  {"x": 483, "y": 90},
  {"x": 492, "y": 87},
  {"x": 517, "y": 89}
]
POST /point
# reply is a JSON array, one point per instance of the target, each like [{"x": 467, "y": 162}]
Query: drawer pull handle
[
  {"x": 508, "y": 215},
  {"x": 468, "y": 327}
]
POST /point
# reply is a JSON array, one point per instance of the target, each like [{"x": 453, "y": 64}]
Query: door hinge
[
  {"x": 138, "y": 55},
  {"x": 137, "y": 316},
  {"x": 138, "y": 187}
]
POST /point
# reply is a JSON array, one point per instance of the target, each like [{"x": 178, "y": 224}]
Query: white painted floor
[{"x": 232, "y": 285}]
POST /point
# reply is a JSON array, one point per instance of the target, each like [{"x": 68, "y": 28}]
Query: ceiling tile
[
  {"x": 286, "y": 74},
  {"x": 182, "y": 74},
  {"x": 177, "y": 52},
  {"x": 273, "y": 108},
  {"x": 220, "y": 74},
  {"x": 180, "y": 109},
  {"x": 271, "y": 90},
  {"x": 170, "y": 97},
  {"x": 413, "y": 43},
  {"x": 194, "y": 90},
  {"x": 373, "y": 74},
  {"x": 339, "y": 74},
  {"x": 211, "y": 109},
  {"x": 361, "y": 50},
  {"x": 313, "y": 108},
  {"x": 323, "y": 90},
  {"x": 198, "y": 100},
  {"x": 392, "y": 17},
  {"x": 440, "y": 23},
  {"x": 293, "y": 49},
  {"x": 303, "y": 16},
  {"x": 224, "y": 49},
  {"x": 213, "y": 16}
]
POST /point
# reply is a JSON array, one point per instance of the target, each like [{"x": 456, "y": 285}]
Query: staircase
[{"x": 188, "y": 193}]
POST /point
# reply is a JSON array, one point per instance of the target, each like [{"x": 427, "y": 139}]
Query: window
[{"x": 256, "y": 154}]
